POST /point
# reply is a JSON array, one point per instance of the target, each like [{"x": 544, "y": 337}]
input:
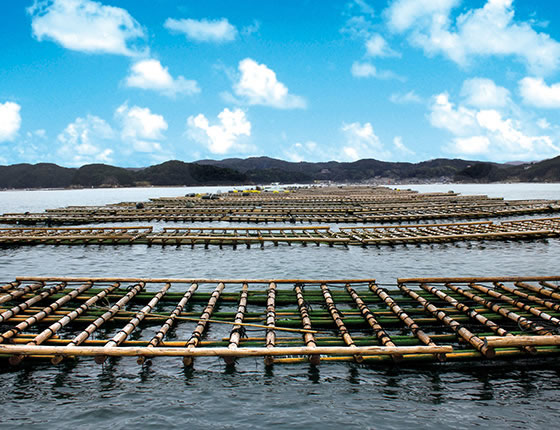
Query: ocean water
[{"x": 121, "y": 394}]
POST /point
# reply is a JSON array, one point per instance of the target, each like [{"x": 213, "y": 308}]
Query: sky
[{"x": 137, "y": 82}]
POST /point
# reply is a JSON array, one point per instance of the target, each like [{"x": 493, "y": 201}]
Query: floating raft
[
  {"x": 360, "y": 205},
  {"x": 528, "y": 229},
  {"x": 282, "y": 321}
]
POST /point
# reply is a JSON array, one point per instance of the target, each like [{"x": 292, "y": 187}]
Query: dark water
[{"x": 122, "y": 394}]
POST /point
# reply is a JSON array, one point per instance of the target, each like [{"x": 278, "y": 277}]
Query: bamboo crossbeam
[
  {"x": 518, "y": 319},
  {"x": 235, "y": 335},
  {"x": 517, "y": 303},
  {"x": 9, "y": 286},
  {"x": 337, "y": 318},
  {"x": 466, "y": 334},
  {"x": 121, "y": 336},
  {"x": 20, "y": 292},
  {"x": 44, "y": 312},
  {"x": 403, "y": 316},
  {"x": 94, "y": 279},
  {"x": 501, "y": 342},
  {"x": 470, "y": 312},
  {"x": 203, "y": 321},
  {"x": 546, "y": 303},
  {"x": 308, "y": 338},
  {"x": 125, "y": 351},
  {"x": 6, "y": 315},
  {"x": 270, "y": 339},
  {"x": 539, "y": 290}
]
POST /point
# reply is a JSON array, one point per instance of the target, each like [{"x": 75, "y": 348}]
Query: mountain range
[{"x": 265, "y": 170}]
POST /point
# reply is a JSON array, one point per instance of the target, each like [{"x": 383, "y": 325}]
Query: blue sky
[{"x": 138, "y": 82}]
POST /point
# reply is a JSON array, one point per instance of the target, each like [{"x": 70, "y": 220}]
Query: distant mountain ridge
[{"x": 263, "y": 170}]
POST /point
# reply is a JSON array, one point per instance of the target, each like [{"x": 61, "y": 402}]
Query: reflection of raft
[
  {"x": 429, "y": 319},
  {"x": 533, "y": 228}
]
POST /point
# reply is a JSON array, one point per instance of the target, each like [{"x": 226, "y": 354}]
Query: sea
[{"x": 164, "y": 394}]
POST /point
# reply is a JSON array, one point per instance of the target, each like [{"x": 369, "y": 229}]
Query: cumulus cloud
[
  {"x": 484, "y": 93},
  {"x": 224, "y": 137},
  {"x": 487, "y": 31},
  {"x": 85, "y": 25},
  {"x": 401, "y": 147},
  {"x": 486, "y": 132},
  {"x": 258, "y": 85},
  {"x": 537, "y": 93},
  {"x": 141, "y": 128},
  {"x": 151, "y": 75},
  {"x": 368, "y": 70},
  {"x": 86, "y": 140},
  {"x": 361, "y": 142},
  {"x": 10, "y": 121},
  {"x": 203, "y": 30}
]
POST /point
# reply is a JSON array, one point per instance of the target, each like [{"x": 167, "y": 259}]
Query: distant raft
[
  {"x": 526, "y": 229},
  {"x": 280, "y": 320},
  {"x": 359, "y": 205}
]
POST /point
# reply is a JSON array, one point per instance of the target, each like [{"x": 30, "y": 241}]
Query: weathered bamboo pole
[
  {"x": 9, "y": 286},
  {"x": 337, "y": 318},
  {"x": 20, "y": 292},
  {"x": 500, "y": 342},
  {"x": 308, "y": 338},
  {"x": 53, "y": 328},
  {"x": 546, "y": 303},
  {"x": 517, "y": 303},
  {"x": 471, "y": 313},
  {"x": 403, "y": 316},
  {"x": 125, "y": 351},
  {"x": 378, "y": 330},
  {"x": 203, "y": 321},
  {"x": 270, "y": 339},
  {"x": 191, "y": 280},
  {"x": 466, "y": 334},
  {"x": 121, "y": 336},
  {"x": 235, "y": 335},
  {"x": 6, "y": 315},
  {"x": 44, "y": 312},
  {"x": 102, "y": 319},
  {"x": 521, "y": 321},
  {"x": 169, "y": 322},
  {"x": 539, "y": 290},
  {"x": 550, "y": 285}
]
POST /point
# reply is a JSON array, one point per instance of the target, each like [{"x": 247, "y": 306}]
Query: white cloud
[
  {"x": 406, "y": 98},
  {"x": 306, "y": 151},
  {"x": 443, "y": 114},
  {"x": 376, "y": 46},
  {"x": 85, "y": 25},
  {"x": 401, "y": 147},
  {"x": 141, "y": 128},
  {"x": 219, "y": 30},
  {"x": 258, "y": 85},
  {"x": 86, "y": 140},
  {"x": 361, "y": 142},
  {"x": 151, "y": 75},
  {"x": 10, "y": 121},
  {"x": 484, "y": 93},
  {"x": 486, "y": 132},
  {"x": 487, "y": 31},
  {"x": 368, "y": 70},
  {"x": 537, "y": 93},
  {"x": 223, "y": 137}
]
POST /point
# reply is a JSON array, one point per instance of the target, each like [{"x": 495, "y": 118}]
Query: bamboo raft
[
  {"x": 360, "y": 205},
  {"x": 527, "y": 229},
  {"x": 281, "y": 320}
]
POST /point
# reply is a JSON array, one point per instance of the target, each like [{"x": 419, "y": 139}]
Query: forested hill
[{"x": 263, "y": 170}]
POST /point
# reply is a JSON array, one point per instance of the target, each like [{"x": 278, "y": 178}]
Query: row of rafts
[
  {"x": 289, "y": 320},
  {"x": 532, "y": 228}
]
